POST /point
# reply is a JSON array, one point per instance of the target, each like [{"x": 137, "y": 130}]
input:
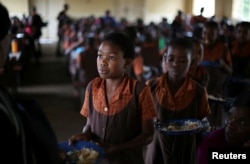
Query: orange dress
[
  {"x": 200, "y": 75},
  {"x": 119, "y": 120},
  {"x": 239, "y": 81},
  {"x": 211, "y": 62},
  {"x": 217, "y": 77},
  {"x": 190, "y": 101}
]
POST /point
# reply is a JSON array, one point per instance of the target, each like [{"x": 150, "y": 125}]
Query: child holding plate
[
  {"x": 119, "y": 109},
  {"x": 176, "y": 96}
]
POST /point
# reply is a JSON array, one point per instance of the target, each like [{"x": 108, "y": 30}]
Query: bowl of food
[
  {"x": 80, "y": 153},
  {"x": 181, "y": 126}
]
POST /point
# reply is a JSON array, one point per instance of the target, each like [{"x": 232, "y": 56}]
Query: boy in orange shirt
[
  {"x": 197, "y": 72},
  {"x": 239, "y": 81},
  {"x": 217, "y": 62},
  {"x": 176, "y": 96}
]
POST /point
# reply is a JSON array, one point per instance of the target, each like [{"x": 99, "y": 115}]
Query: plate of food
[
  {"x": 181, "y": 126},
  {"x": 80, "y": 153}
]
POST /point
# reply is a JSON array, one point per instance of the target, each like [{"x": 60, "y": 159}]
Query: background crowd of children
[{"x": 223, "y": 46}]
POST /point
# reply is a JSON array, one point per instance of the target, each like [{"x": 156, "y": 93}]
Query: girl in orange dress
[{"x": 119, "y": 109}]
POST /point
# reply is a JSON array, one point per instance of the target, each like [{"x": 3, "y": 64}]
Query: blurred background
[{"x": 148, "y": 10}]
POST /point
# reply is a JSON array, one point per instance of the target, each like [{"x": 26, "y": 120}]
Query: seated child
[{"x": 235, "y": 134}]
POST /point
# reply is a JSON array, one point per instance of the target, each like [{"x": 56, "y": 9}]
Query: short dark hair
[
  {"x": 212, "y": 24},
  {"x": 131, "y": 32},
  {"x": 123, "y": 41},
  {"x": 182, "y": 43},
  {"x": 243, "y": 24}
]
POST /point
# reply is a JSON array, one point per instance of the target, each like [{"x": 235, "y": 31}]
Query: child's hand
[{"x": 78, "y": 137}]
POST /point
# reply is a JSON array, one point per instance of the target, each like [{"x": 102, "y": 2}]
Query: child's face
[
  {"x": 110, "y": 61},
  {"x": 210, "y": 35},
  {"x": 177, "y": 62},
  {"x": 237, "y": 125},
  {"x": 197, "y": 54},
  {"x": 243, "y": 34}
]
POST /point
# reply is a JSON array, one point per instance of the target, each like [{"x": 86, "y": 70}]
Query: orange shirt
[
  {"x": 183, "y": 97},
  {"x": 240, "y": 50},
  {"x": 216, "y": 52},
  {"x": 137, "y": 64},
  {"x": 200, "y": 75},
  {"x": 120, "y": 99}
]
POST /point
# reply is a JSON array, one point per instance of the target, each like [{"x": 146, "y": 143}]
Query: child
[
  {"x": 217, "y": 62},
  {"x": 197, "y": 22},
  {"x": 240, "y": 61},
  {"x": 87, "y": 60},
  {"x": 235, "y": 134},
  {"x": 197, "y": 72},
  {"x": 176, "y": 96},
  {"x": 119, "y": 109}
]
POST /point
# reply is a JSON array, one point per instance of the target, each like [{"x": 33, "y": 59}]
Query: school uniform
[
  {"x": 88, "y": 69},
  {"x": 118, "y": 121},
  {"x": 241, "y": 69},
  {"x": 190, "y": 101},
  {"x": 216, "y": 74},
  {"x": 201, "y": 76}
]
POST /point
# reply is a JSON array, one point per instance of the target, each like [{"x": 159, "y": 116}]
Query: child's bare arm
[{"x": 85, "y": 135}]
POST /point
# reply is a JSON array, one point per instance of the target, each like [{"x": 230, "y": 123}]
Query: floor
[{"x": 49, "y": 84}]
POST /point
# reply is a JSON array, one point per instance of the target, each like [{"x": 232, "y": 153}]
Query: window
[
  {"x": 209, "y": 7},
  {"x": 241, "y": 10}
]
